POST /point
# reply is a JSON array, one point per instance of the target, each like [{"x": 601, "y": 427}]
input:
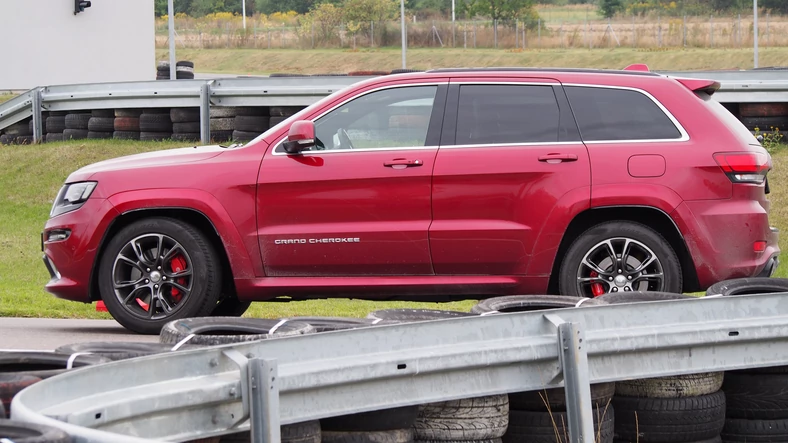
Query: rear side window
[
  {"x": 500, "y": 114},
  {"x": 605, "y": 114}
]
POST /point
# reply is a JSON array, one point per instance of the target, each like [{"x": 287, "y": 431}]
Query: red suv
[{"x": 434, "y": 186}]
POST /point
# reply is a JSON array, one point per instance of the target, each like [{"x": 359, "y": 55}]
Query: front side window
[
  {"x": 389, "y": 118},
  {"x": 505, "y": 114},
  {"x": 605, "y": 114}
]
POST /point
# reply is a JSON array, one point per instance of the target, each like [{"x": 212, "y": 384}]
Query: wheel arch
[
  {"x": 652, "y": 217},
  {"x": 187, "y": 215}
]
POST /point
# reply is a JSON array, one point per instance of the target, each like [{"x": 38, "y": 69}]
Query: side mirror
[{"x": 300, "y": 137}]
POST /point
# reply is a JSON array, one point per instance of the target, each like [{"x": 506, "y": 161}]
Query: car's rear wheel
[
  {"x": 619, "y": 256},
  {"x": 156, "y": 270}
]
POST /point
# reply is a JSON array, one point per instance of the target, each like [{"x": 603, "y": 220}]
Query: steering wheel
[{"x": 344, "y": 139}]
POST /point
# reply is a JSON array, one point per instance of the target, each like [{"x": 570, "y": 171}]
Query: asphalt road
[{"x": 46, "y": 334}]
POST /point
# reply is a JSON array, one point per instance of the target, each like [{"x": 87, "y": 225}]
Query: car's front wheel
[
  {"x": 156, "y": 270},
  {"x": 619, "y": 256}
]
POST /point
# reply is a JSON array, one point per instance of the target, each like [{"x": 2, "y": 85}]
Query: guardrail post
[
  {"x": 264, "y": 400},
  {"x": 205, "y": 113},
  {"x": 38, "y": 126}
]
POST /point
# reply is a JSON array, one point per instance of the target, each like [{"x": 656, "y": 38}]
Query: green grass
[
  {"x": 6, "y": 97},
  {"x": 32, "y": 175},
  {"x": 257, "y": 62}
]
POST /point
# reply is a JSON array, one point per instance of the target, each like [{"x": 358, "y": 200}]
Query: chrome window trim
[
  {"x": 684, "y": 136},
  {"x": 511, "y": 145},
  {"x": 278, "y": 144}
]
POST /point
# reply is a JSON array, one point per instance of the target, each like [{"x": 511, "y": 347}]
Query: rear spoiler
[{"x": 693, "y": 84}]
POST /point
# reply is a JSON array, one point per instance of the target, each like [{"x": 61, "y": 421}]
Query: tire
[
  {"x": 763, "y": 109},
  {"x": 196, "y": 253},
  {"x": 283, "y": 111},
  {"x": 189, "y": 69},
  {"x": 555, "y": 399},
  {"x": 184, "y": 63},
  {"x": 43, "y": 364},
  {"x": 3, "y": 413},
  {"x": 57, "y": 113},
  {"x": 273, "y": 121},
  {"x": 756, "y": 396},
  {"x": 251, "y": 111},
  {"x": 241, "y": 136},
  {"x": 155, "y": 136},
  {"x": 392, "y": 436},
  {"x": 251, "y": 124},
  {"x": 126, "y": 135},
  {"x": 187, "y": 137},
  {"x": 553, "y": 427},
  {"x": 677, "y": 386},
  {"x": 372, "y": 421},
  {"x": 21, "y": 128},
  {"x": 669, "y": 420},
  {"x": 55, "y": 124},
  {"x": 130, "y": 124},
  {"x": 522, "y": 303},
  {"x": 230, "y": 306},
  {"x": 163, "y": 65},
  {"x": 75, "y": 134},
  {"x": 617, "y": 298},
  {"x": 480, "y": 418},
  {"x": 306, "y": 432},
  {"x": 746, "y": 286},
  {"x": 221, "y": 136},
  {"x": 765, "y": 124},
  {"x": 77, "y": 121},
  {"x": 99, "y": 135},
  {"x": 119, "y": 350},
  {"x": 411, "y": 315},
  {"x": 222, "y": 112},
  {"x": 647, "y": 241},
  {"x": 210, "y": 331},
  {"x": 223, "y": 124},
  {"x": 755, "y": 431},
  {"x": 328, "y": 324},
  {"x": 54, "y": 137},
  {"x": 7, "y": 139},
  {"x": 24, "y": 432},
  {"x": 10, "y": 385},
  {"x": 182, "y": 75},
  {"x": 155, "y": 123},
  {"x": 103, "y": 113},
  {"x": 186, "y": 128},
  {"x": 24, "y": 140},
  {"x": 135, "y": 113},
  {"x": 185, "y": 115}
]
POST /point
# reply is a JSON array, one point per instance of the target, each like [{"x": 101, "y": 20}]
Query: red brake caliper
[
  {"x": 596, "y": 288},
  {"x": 177, "y": 264}
]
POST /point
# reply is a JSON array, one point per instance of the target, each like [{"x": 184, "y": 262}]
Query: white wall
[{"x": 44, "y": 43}]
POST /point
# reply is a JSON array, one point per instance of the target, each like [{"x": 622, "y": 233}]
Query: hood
[{"x": 148, "y": 159}]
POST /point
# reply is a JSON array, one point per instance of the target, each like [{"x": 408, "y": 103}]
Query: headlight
[{"x": 71, "y": 197}]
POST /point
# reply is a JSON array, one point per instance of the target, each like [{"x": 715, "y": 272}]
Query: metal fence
[
  {"x": 220, "y": 390},
  {"x": 631, "y": 32}
]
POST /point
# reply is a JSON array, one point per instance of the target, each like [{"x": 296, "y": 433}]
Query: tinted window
[
  {"x": 397, "y": 117},
  {"x": 497, "y": 114},
  {"x": 618, "y": 114}
]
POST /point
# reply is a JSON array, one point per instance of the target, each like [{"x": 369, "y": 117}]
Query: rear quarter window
[{"x": 607, "y": 114}]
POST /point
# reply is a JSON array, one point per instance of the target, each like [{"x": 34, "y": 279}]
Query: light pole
[
  {"x": 404, "y": 35},
  {"x": 243, "y": 11},
  {"x": 171, "y": 25},
  {"x": 453, "y": 33},
  {"x": 755, "y": 31}
]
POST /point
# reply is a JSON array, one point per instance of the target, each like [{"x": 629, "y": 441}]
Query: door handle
[
  {"x": 557, "y": 158},
  {"x": 400, "y": 163}
]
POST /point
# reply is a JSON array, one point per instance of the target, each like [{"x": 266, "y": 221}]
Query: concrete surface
[{"x": 46, "y": 334}]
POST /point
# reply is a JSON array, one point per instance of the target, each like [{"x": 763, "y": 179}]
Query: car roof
[{"x": 543, "y": 70}]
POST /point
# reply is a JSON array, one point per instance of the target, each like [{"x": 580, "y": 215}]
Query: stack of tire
[
  {"x": 756, "y": 398},
  {"x": 281, "y": 113},
  {"x": 185, "y": 124},
  {"x": 55, "y": 125},
  {"x": 540, "y": 416},
  {"x": 19, "y": 133},
  {"x": 77, "y": 125},
  {"x": 250, "y": 122},
  {"x": 767, "y": 117},
  {"x": 101, "y": 124},
  {"x": 222, "y": 123},
  {"x": 184, "y": 70},
  {"x": 675, "y": 409},
  {"x": 155, "y": 124},
  {"x": 127, "y": 124}
]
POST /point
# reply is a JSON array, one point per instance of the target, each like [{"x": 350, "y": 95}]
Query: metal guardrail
[
  {"x": 219, "y": 390},
  {"x": 737, "y": 87}
]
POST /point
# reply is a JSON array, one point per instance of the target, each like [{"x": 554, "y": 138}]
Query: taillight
[{"x": 744, "y": 167}]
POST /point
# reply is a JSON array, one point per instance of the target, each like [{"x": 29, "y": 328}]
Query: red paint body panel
[{"x": 468, "y": 221}]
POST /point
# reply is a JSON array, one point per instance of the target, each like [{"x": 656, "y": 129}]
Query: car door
[
  {"x": 510, "y": 154},
  {"x": 358, "y": 203}
]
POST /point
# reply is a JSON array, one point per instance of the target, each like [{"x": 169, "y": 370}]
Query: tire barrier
[
  {"x": 18, "y": 432},
  {"x": 210, "y": 331}
]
